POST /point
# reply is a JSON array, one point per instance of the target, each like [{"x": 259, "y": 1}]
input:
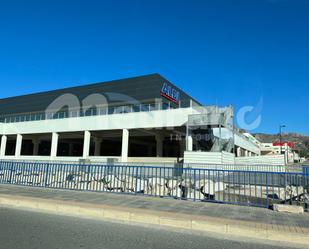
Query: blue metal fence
[
  {"x": 251, "y": 188},
  {"x": 306, "y": 171}
]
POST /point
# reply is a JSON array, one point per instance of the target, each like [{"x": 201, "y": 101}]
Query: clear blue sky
[{"x": 220, "y": 52}]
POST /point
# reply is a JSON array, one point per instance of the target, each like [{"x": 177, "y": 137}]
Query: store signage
[
  {"x": 170, "y": 93},
  {"x": 289, "y": 144}
]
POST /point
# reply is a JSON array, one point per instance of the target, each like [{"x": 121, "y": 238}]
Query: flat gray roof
[{"x": 141, "y": 88}]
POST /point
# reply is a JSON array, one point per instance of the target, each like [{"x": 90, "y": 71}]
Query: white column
[
  {"x": 97, "y": 146},
  {"x": 19, "y": 140},
  {"x": 246, "y": 153},
  {"x": 87, "y": 136},
  {"x": 249, "y": 153},
  {"x": 159, "y": 145},
  {"x": 54, "y": 145},
  {"x": 238, "y": 152},
  {"x": 4, "y": 139},
  {"x": 36, "y": 144},
  {"x": 125, "y": 145},
  {"x": 189, "y": 143}
]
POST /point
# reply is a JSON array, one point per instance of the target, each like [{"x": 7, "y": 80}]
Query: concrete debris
[
  {"x": 210, "y": 187},
  {"x": 288, "y": 209}
]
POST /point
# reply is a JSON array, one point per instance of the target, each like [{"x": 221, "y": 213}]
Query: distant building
[{"x": 277, "y": 148}]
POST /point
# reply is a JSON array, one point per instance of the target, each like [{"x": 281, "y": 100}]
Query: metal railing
[
  {"x": 250, "y": 188},
  {"x": 305, "y": 171},
  {"x": 98, "y": 110},
  {"x": 233, "y": 166}
]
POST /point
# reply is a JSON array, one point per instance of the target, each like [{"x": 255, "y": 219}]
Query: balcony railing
[{"x": 95, "y": 111}]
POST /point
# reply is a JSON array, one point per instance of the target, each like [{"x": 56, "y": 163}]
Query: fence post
[
  {"x": 267, "y": 201},
  {"x": 136, "y": 179},
  {"x": 46, "y": 174},
  {"x": 11, "y": 173},
  {"x": 194, "y": 184},
  {"x": 88, "y": 175},
  {"x": 305, "y": 178}
]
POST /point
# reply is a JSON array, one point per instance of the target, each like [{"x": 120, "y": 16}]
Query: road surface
[{"x": 30, "y": 230}]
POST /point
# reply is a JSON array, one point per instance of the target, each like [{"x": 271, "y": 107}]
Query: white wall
[
  {"x": 227, "y": 158},
  {"x": 262, "y": 160},
  {"x": 152, "y": 119},
  {"x": 208, "y": 157},
  {"x": 156, "y": 160},
  {"x": 227, "y": 161}
]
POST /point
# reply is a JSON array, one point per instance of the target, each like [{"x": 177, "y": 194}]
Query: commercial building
[
  {"x": 284, "y": 148},
  {"x": 140, "y": 119}
]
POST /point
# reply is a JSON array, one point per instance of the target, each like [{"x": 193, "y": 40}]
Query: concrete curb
[{"x": 253, "y": 230}]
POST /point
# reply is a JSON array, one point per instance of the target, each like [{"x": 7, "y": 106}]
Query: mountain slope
[{"x": 301, "y": 142}]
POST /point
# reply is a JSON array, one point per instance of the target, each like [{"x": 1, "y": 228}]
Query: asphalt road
[{"x": 31, "y": 230}]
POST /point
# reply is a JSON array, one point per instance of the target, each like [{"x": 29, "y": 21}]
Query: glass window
[
  {"x": 61, "y": 115},
  {"x": 136, "y": 108},
  {"x": 111, "y": 110},
  {"x": 74, "y": 114},
  {"x": 103, "y": 111},
  {"x": 165, "y": 106}
]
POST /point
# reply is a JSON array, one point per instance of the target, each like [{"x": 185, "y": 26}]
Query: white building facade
[
  {"x": 284, "y": 148},
  {"x": 138, "y": 120}
]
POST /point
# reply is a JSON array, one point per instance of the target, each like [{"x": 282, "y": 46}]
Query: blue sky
[{"x": 220, "y": 52}]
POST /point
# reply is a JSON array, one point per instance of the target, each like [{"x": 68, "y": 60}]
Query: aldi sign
[{"x": 170, "y": 93}]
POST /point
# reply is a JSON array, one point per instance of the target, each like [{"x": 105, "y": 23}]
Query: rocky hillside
[{"x": 301, "y": 142}]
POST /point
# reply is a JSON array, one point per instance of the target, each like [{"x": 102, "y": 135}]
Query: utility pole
[{"x": 280, "y": 137}]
